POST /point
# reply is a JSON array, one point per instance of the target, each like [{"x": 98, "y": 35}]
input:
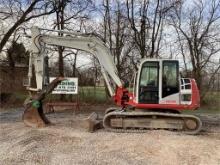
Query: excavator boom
[
  {"x": 33, "y": 114},
  {"x": 86, "y": 42}
]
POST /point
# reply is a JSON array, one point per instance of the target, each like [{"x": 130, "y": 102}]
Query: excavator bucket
[{"x": 33, "y": 115}]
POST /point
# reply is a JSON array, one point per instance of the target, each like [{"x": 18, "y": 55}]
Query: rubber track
[{"x": 120, "y": 130}]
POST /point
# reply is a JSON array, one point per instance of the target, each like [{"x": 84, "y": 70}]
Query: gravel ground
[{"x": 67, "y": 142}]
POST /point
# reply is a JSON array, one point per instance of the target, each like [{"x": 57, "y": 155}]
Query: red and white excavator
[{"x": 158, "y": 96}]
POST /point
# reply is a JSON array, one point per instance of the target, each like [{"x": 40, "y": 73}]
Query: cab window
[
  {"x": 170, "y": 78},
  {"x": 149, "y": 75}
]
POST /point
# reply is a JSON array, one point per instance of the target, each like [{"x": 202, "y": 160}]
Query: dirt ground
[{"x": 67, "y": 142}]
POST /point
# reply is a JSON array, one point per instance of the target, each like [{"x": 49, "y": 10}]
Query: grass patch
[
  {"x": 211, "y": 103},
  {"x": 92, "y": 95},
  {"x": 88, "y": 95},
  {"x": 212, "y": 98},
  {"x": 203, "y": 110}
]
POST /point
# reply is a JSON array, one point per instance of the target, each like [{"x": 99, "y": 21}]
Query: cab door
[
  {"x": 170, "y": 79},
  {"x": 148, "y": 92}
]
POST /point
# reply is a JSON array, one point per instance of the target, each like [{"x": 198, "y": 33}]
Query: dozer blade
[
  {"x": 92, "y": 123},
  {"x": 33, "y": 115}
]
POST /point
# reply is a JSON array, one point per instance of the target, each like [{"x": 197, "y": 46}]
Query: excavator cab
[{"x": 158, "y": 81}]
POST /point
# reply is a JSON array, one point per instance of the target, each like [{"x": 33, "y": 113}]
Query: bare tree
[
  {"x": 22, "y": 11},
  {"x": 147, "y": 22},
  {"x": 115, "y": 24},
  {"x": 197, "y": 29},
  {"x": 66, "y": 12},
  {"x": 60, "y": 8}
]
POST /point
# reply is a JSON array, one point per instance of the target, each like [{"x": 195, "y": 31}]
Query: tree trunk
[
  {"x": 61, "y": 68},
  {"x": 60, "y": 26}
]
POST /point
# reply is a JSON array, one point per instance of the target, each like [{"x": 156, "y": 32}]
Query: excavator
[{"x": 159, "y": 94}]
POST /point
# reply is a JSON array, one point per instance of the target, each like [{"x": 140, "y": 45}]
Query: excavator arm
[
  {"x": 33, "y": 115},
  {"x": 86, "y": 42}
]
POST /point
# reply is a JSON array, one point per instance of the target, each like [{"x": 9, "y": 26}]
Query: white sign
[{"x": 68, "y": 86}]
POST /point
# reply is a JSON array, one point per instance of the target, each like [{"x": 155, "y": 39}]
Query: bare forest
[{"x": 173, "y": 29}]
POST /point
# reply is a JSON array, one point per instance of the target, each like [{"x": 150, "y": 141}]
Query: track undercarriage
[{"x": 117, "y": 120}]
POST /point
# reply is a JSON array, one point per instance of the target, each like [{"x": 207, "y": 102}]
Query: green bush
[{"x": 211, "y": 102}]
